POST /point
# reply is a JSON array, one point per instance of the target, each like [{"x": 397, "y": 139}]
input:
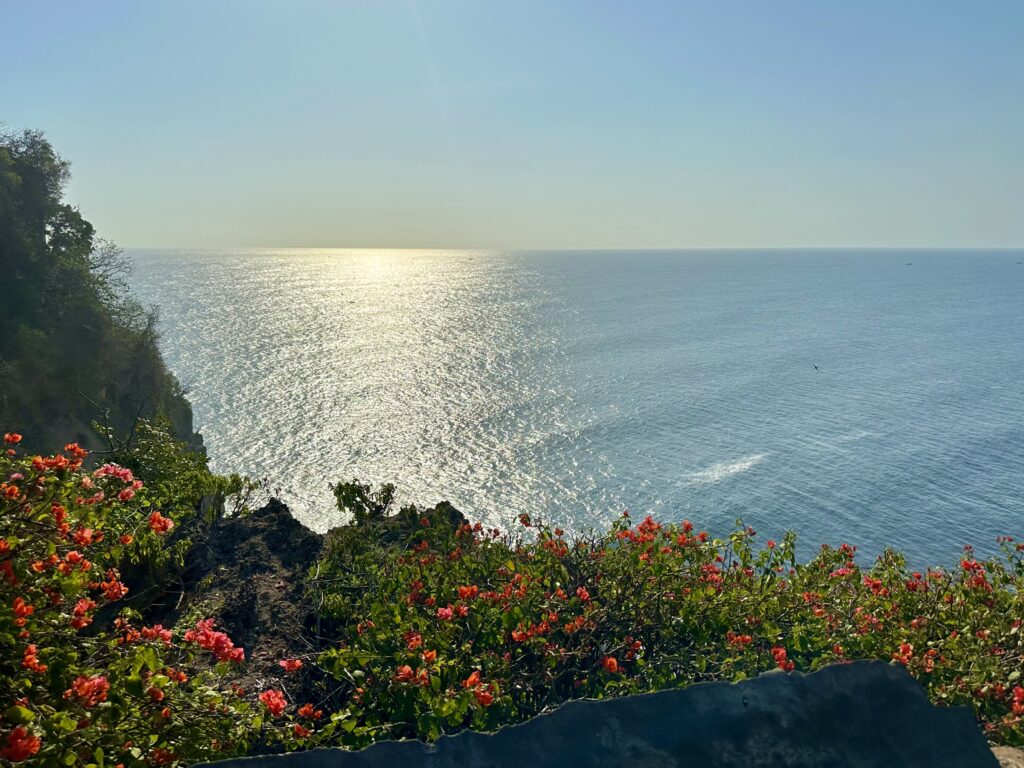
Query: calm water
[{"x": 575, "y": 385}]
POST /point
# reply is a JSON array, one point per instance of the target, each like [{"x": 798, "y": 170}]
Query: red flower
[
  {"x": 83, "y": 537},
  {"x": 739, "y": 640},
  {"x": 291, "y": 665},
  {"x": 413, "y": 640},
  {"x": 904, "y": 654},
  {"x": 610, "y": 664},
  {"x": 781, "y": 661},
  {"x": 468, "y": 593},
  {"x": 160, "y": 524},
  {"x": 156, "y": 632},
  {"x": 217, "y": 643},
  {"x": 445, "y": 614},
  {"x": 21, "y": 744},
  {"x": 90, "y": 691},
  {"x": 30, "y": 660},
  {"x": 155, "y": 694},
  {"x": 22, "y": 611},
  {"x": 1018, "y": 701},
  {"x": 162, "y": 756},
  {"x": 300, "y": 732},
  {"x": 429, "y": 657},
  {"x": 306, "y": 710},
  {"x": 126, "y": 539},
  {"x": 113, "y": 588},
  {"x": 176, "y": 675},
  {"x": 583, "y": 594},
  {"x": 274, "y": 701},
  {"x": 81, "y": 616}
]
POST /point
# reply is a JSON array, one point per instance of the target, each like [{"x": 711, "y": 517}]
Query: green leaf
[
  {"x": 133, "y": 684},
  {"x": 19, "y": 715},
  {"x": 151, "y": 659}
]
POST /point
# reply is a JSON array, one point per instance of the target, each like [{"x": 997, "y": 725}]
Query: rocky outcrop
[
  {"x": 859, "y": 715},
  {"x": 249, "y": 574},
  {"x": 1009, "y": 757}
]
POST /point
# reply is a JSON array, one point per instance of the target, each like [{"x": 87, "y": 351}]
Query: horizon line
[{"x": 584, "y": 249}]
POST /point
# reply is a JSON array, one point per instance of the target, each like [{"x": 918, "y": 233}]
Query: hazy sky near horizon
[{"x": 530, "y": 123}]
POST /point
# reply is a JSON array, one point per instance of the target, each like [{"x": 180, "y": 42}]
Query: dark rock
[
  {"x": 860, "y": 715},
  {"x": 249, "y": 574}
]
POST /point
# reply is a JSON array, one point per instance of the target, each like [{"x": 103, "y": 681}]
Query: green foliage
[
  {"x": 460, "y": 628},
  {"x": 76, "y": 689},
  {"x": 362, "y": 502},
  {"x": 177, "y": 476},
  {"x": 73, "y": 343},
  {"x": 440, "y": 625}
]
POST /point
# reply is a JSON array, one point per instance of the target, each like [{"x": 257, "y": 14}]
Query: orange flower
[
  {"x": 291, "y": 665},
  {"x": 405, "y": 674},
  {"x": 90, "y": 691},
  {"x": 160, "y": 524},
  {"x": 610, "y": 664},
  {"x": 21, "y": 743},
  {"x": 781, "y": 661},
  {"x": 274, "y": 701},
  {"x": 30, "y": 660}
]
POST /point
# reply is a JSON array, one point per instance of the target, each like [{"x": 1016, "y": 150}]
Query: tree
[{"x": 74, "y": 344}]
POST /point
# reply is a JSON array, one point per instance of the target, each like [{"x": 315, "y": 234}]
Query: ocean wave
[{"x": 723, "y": 469}]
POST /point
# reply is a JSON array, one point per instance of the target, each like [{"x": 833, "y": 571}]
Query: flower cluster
[
  {"x": 78, "y": 680},
  {"x": 468, "y": 628},
  {"x": 217, "y": 643}
]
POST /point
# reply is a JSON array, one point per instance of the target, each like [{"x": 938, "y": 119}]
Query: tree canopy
[{"x": 75, "y": 347}]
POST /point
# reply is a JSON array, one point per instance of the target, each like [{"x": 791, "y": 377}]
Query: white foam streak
[{"x": 723, "y": 469}]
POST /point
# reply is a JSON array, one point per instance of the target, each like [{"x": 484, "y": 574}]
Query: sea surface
[{"x": 864, "y": 396}]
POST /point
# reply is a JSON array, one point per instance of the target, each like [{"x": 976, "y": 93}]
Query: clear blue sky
[{"x": 530, "y": 123}]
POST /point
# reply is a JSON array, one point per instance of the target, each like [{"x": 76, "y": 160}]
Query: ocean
[{"x": 870, "y": 397}]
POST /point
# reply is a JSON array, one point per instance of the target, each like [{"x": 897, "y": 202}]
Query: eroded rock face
[{"x": 860, "y": 715}]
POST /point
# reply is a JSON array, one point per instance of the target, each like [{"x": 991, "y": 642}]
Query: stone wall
[{"x": 859, "y": 715}]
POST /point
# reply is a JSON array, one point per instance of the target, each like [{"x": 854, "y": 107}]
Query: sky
[{"x": 529, "y": 123}]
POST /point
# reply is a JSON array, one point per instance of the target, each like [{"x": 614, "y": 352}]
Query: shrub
[
  {"x": 77, "y": 685},
  {"x": 441, "y": 625},
  {"x": 467, "y": 628}
]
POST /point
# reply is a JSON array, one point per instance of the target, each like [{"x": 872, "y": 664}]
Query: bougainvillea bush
[
  {"x": 430, "y": 625},
  {"x": 467, "y": 627},
  {"x": 83, "y": 681}
]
